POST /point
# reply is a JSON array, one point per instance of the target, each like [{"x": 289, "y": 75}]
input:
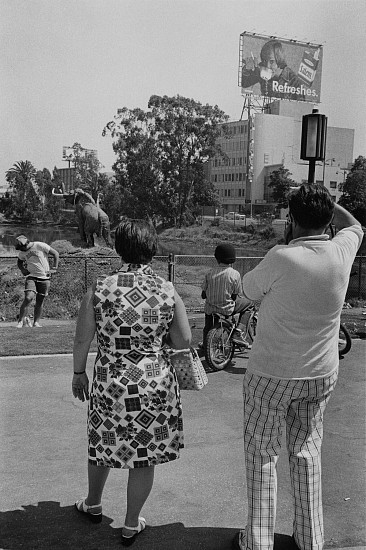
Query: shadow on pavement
[{"x": 48, "y": 525}]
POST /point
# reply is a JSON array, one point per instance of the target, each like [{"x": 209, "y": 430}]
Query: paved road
[{"x": 198, "y": 502}]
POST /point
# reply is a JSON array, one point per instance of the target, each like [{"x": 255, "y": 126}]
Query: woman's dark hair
[
  {"x": 276, "y": 47},
  {"x": 136, "y": 241},
  {"x": 311, "y": 206}
]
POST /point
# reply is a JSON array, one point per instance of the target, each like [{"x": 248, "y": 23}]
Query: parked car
[{"x": 234, "y": 215}]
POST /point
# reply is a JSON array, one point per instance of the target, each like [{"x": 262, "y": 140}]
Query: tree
[
  {"x": 160, "y": 156},
  {"x": 354, "y": 190},
  {"x": 52, "y": 205},
  {"x": 24, "y": 169},
  {"x": 280, "y": 183},
  {"x": 25, "y": 200},
  {"x": 43, "y": 186},
  {"x": 87, "y": 167},
  {"x": 112, "y": 201}
]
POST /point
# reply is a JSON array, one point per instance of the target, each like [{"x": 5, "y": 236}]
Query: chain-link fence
[
  {"x": 75, "y": 274},
  {"x": 189, "y": 273}
]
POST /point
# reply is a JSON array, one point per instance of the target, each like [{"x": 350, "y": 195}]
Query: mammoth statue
[{"x": 90, "y": 217}]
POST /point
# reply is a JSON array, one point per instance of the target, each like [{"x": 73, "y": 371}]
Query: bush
[{"x": 267, "y": 233}]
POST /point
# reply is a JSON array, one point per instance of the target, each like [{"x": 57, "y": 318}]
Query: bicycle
[{"x": 219, "y": 346}]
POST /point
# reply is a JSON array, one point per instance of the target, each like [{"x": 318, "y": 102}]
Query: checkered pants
[{"x": 269, "y": 406}]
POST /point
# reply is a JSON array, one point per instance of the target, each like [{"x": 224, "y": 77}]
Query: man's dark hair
[
  {"x": 136, "y": 241},
  {"x": 311, "y": 206},
  {"x": 225, "y": 253}
]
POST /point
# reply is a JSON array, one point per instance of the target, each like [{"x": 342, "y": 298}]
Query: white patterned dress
[{"x": 135, "y": 414}]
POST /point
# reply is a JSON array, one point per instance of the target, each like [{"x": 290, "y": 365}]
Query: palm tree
[
  {"x": 25, "y": 200},
  {"x": 23, "y": 168}
]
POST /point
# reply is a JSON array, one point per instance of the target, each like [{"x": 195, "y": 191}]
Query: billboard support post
[{"x": 313, "y": 140}]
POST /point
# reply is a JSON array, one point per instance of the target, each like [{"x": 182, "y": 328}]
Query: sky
[{"x": 68, "y": 65}]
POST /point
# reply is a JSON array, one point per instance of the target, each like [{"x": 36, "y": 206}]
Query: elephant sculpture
[{"x": 91, "y": 218}]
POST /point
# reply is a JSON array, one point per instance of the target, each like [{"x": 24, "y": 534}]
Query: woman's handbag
[{"x": 188, "y": 367}]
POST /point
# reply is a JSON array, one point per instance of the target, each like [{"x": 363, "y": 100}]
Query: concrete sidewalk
[{"x": 198, "y": 502}]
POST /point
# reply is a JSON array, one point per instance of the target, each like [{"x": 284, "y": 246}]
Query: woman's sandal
[
  {"x": 127, "y": 541},
  {"x": 94, "y": 512}
]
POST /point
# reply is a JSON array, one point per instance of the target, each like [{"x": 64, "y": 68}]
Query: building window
[
  {"x": 228, "y": 192},
  {"x": 233, "y": 162},
  {"x": 333, "y": 184},
  {"x": 225, "y": 192},
  {"x": 215, "y": 178}
]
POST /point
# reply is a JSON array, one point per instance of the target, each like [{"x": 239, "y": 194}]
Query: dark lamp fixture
[{"x": 313, "y": 136}]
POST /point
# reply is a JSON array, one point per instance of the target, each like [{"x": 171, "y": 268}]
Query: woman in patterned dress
[{"x": 134, "y": 414}]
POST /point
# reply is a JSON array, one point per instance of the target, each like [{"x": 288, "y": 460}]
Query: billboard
[
  {"x": 279, "y": 68},
  {"x": 70, "y": 153}
]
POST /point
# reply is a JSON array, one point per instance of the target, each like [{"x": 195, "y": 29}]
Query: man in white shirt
[
  {"x": 33, "y": 263},
  {"x": 293, "y": 366}
]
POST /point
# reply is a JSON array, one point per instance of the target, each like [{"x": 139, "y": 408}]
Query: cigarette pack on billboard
[
  {"x": 279, "y": 68},
  {"x": 308, "y": 66}
]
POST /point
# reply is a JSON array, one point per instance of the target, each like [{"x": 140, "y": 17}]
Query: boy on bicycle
[{"x": 222, "y": 290}]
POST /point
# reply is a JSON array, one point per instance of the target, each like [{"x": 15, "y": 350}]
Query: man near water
[{"x": 33, "y": 263}]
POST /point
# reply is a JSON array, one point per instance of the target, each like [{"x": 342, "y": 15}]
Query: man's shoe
[
  {"x": 239, "y": 339},
  {"x": 20, "y": 324},
  {"x": 37, "y": 325}
]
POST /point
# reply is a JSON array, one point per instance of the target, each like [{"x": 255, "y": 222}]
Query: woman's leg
[
  {"x": 140, "y": 482},
  {"x": 97, "y": 476}
]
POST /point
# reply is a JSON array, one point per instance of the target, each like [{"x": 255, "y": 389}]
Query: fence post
[
  {"x": 359, "y": 276},
  {"x": 171, "y": 270},
  {"x": 86, "y": 274}
]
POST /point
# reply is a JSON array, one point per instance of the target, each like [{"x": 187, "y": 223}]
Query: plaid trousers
[{"x": 269, "y": 406}]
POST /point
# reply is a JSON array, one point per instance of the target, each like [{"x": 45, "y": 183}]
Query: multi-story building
[
  {"x": 68, "y": 178},
  {"x": 228, "y": 171},
  {"x": 242, "y": 174}
]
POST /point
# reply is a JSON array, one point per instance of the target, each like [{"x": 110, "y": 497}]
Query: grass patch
[
  {"x": 55, "y": 338},
  {"x": 41, "y": 341}
]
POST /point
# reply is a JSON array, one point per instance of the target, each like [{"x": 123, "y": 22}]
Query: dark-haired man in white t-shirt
[{"x": 293, "y": 366}]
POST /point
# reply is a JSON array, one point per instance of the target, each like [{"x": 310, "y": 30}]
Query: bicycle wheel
[
  {"x": 344, "y": 341},
  {"x": 219, "y": 348},
  {"x": 252, "y": 327}
]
